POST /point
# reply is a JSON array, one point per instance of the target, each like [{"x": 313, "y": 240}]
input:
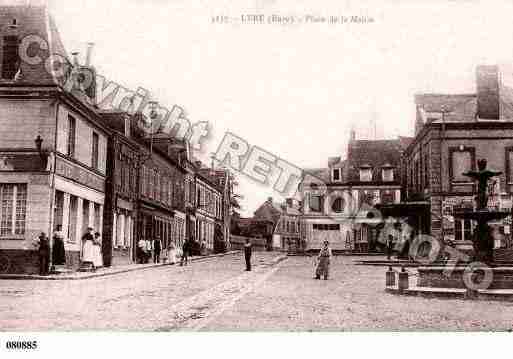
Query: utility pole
[{"x": 442, "y": 135}]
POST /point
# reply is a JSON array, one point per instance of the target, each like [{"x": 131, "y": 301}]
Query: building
[
  {"x": 285, "y": 218},
  {"x": 53, "y": 147},
  {"x": 452, "y": 132},
  {"x": 124, "y": 158},
  {"x": 161, "y": 205},
  {"x": 253, "y": 228},
  {"x": 209, "y": 209},
  {"x": 339, "y": 199}
]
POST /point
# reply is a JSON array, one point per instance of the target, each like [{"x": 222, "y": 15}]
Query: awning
[{"x": 404, "y": 209}]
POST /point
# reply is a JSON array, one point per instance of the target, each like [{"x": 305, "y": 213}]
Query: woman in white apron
[
  {"x": 98, "y": 258},
  {"x": 171, "y": 253},
  {"x": 88, "y": 247}
]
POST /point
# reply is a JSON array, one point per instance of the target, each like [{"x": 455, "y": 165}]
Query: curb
[
  {"x": 453, "y": 294},
  {"x": 100, "y": 274}
]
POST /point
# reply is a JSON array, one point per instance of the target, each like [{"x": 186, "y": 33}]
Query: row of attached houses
[{"x": 67, "y": 163}]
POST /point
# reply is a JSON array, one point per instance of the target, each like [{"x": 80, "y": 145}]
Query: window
[
  {"x": 463, "y": 230},
  {"x": 316, "y": 203},
  {"x": 388, "y": 174},
  {"x": 509, "y": 168},
  {"x": 94, "y": 152},
  {"x": 73, "y": 217},
  {"x": 11, "y": 59},
  {"x": 365, "y": 174},
  {"x": 71, "y": 135},
  {"x": 336, "y": 174},
  {"x": 338, "y": 205},
  {"x": 461, "y": 161},
  {"x": 127, "y": 127},
  {"x": 426, "y": 172},
  {"x": 326, "y": 227},
  {"x": 156, "y": 187},
  {"x": 387, "y": 197},
  {"x": 13, "y": 207}
]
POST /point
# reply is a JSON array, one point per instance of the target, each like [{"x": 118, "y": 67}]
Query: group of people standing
[
  {"x": 148, "y": 249},
  {"x": 91, "y": 250}
]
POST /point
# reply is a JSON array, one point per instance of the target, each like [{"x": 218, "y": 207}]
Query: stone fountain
[
  {"x": 482, "y": 238},
  {"x": 436, "y": 275}
]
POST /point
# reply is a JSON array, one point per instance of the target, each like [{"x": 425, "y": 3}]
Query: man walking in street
[
  {"x": 247, "y": 254},
  {"x": 185, "y": 252},
  {"x": 157, "y": 248}
]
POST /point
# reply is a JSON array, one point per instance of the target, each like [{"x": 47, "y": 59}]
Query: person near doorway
[
  {"x": 58, "y": 252},
  {"x": 185, "y": 252},
  {"x": 157, "y": 248},
  {"x": 88, "y": 247},
  {"x": 141, "y": 246},
  {"x": 43, "y": 251},
  {"x": 247, "y": 254},
  {"x": 323, "y": 262},
  {"x": 98, "y": 258},
  {"x": 148, "y": 249},
  {"x": 171, "y": 253},
  {"x": 203, "y": 247}
]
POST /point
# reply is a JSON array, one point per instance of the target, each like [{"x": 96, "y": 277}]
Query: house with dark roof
[
  {"x": 339, "y": 197},
  {"x": 53, "y": 147},
  {"x": 285, "y": 218}
]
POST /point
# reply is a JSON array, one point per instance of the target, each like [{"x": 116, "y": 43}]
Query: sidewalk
[{"x": 102, "y": 272}]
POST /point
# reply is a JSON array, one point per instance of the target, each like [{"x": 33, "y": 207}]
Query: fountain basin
[{"x": 438, "y": 277}]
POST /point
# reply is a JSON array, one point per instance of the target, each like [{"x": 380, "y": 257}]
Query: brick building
[
  {"x": 53, "y": 147},
  {"x": 451, "y": 133}
]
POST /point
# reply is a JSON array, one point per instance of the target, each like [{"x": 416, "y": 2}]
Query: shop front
[{"x": 167, "y": 225}]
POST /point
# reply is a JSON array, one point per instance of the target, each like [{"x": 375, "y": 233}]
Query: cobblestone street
[{"x": 216, "y": 294}]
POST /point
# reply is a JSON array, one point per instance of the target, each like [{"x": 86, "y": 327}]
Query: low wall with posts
[{"x": 237, "y": 243}]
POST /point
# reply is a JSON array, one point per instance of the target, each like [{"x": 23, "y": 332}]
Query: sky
[{"x": 293, "y": 90}]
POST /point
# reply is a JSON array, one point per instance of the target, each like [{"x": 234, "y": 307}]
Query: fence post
[
  {"x": 390, "y": 277},
  {"x": 403, "y": 280}
]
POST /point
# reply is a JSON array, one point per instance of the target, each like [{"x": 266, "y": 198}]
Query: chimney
[
  {"x": 90, "y": 46},
  {"x": 75, "y": 58},
  {"x": 487, "y": 79}
]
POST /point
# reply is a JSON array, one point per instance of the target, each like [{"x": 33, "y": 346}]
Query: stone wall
[{"x": 18, "y": 261}]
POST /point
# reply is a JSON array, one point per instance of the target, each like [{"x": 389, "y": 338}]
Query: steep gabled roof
[
  {"x": 373, "y": 154},
  {"x": 36, "y": 21}
]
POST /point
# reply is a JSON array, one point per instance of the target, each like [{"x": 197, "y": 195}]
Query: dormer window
[
  {"x": 365, "y": 173},
  {"x": 127, "y": 127},
  {"x": 387, "y": 173},
  {"x": 336, "y": 175},
  {"x": 11, "y": 58}
]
